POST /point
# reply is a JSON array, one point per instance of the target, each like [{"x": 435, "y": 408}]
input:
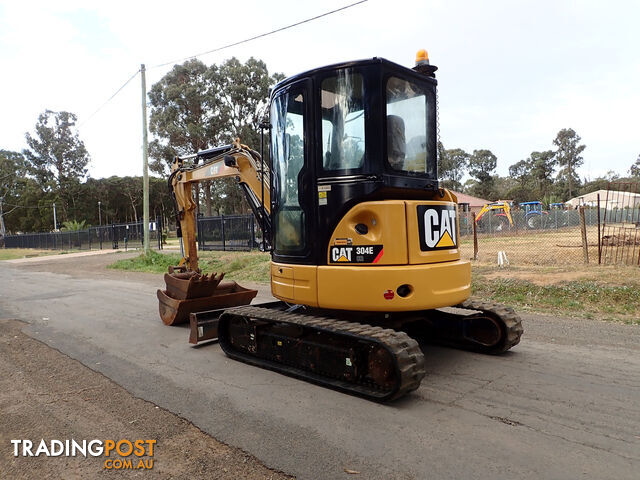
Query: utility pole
[
  {"x": 145, "y": 163},
  {"x": 55, "y": 221},
  {"x": 2, "y": 227}
]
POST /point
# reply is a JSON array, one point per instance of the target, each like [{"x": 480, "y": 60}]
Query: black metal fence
[
  {"x": 229, "y": 232},
  {"x": 116, "y": 236}
]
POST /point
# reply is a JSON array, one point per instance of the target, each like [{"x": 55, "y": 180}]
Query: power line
[
  {"x": 110, "y": 98},
  {"x": 258, "y": 36},
  {"x": 217, "y": 50}
]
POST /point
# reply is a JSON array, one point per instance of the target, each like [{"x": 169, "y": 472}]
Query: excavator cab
[
  {"x": 354, "y": 179},
  {"x": 341, "y": 135}
]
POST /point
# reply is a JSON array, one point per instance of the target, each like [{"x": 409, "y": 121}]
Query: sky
[{"x": 511, "y": 73}]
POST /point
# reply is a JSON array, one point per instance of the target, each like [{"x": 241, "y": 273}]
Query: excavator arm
[
  {"x": 235, "y": 160},
  {"x": 499, "y": 205}
]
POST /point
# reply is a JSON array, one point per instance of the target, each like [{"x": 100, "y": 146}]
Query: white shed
[{"x": 608, "y": 199}]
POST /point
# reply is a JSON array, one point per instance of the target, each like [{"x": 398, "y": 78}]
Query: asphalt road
[{"x": 563, "y": 404}]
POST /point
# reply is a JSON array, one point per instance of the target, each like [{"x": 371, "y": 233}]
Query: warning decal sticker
[{"x": 437, "y": 227}]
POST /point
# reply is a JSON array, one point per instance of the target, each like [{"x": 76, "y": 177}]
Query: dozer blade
[
  {"x": 188, "y": 285},
  {"x": 228, "y": 294},
  {"x": 476, "y": 325}
]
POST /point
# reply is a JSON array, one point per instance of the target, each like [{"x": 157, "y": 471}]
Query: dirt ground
[
  {"x": 47, "y": 395},
  {"x": 88, "y": 265}
]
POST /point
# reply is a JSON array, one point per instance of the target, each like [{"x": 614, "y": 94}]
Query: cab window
[
  {"x": 343, "y": 116},
  {"x": 406, "y": 126},
  {"x": 287, "y": 147}
]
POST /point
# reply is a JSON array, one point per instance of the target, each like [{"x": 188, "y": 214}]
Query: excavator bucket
[
  {"x": 190, "y": 292},
  {"x": 188, "y": 285}
]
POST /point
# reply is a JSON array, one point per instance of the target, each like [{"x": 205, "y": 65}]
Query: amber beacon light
[
  {"x": 422, "y": 57},
  {"x": 422, "y": 64}
]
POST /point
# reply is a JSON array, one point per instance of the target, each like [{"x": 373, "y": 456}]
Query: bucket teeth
[{"x": 189, "y": 285}]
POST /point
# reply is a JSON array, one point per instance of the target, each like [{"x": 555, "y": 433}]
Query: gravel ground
[
  {"x": 46, "y": 395},
  {"x": 562, "y": 404}
]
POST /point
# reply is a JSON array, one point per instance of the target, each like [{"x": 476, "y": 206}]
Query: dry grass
[
  {"x": 604, "y": 292},
  {"x": 547, "y": 274},
  {"x": 548, "y": 247},
  {"x": 13, "y": 253},
  {"x": 549, "y": 280},
  {"x": 608, "y": 275}
]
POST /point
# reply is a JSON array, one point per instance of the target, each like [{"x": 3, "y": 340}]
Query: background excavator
[
  {"x": 363, "y": 241},
  {"x": 503, "y": 219}
]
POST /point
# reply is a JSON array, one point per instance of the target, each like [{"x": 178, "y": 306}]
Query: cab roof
[{"x": 352, "y": 64}]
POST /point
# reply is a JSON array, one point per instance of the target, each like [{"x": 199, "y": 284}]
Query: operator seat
[
  {"x": 335, "y": 157},
  {"x": 396, "y": 142}
]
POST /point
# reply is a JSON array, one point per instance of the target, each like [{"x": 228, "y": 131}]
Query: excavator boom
[{"x": 237, "y": 161}]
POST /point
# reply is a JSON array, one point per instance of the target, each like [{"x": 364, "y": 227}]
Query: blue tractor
[{"x": 534, "y": 216}]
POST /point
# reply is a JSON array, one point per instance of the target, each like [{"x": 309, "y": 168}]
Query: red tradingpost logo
[{"x": 388, "y": 295}]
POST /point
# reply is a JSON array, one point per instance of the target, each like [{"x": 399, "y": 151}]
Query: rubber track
[
  {"x": 511, "y": 321},
  {"x": 409, "y": 357}
]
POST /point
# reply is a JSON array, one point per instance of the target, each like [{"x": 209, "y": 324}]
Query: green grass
[
  {"x": 605, "y": 294},
  {"x": 247, "y": 266},
  {"x": 582, "y": 298}
]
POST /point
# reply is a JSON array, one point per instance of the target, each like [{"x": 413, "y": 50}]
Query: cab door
[{"x": 292, "y": 205}]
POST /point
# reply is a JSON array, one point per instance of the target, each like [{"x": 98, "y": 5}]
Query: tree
[
  {"x": 27, "y": 207},
  {"x": 24, "y": 205},
  {"x": 520, "y": 172},
  {"x": 74, "y": 225},
  {"x": 12, "y": 169},
  {"x": 482, "y": 164},
  {"x": 534, "y": 177},
  {"x": 501, "y": 187},
  {"x": 186, "y": 113},
  {"x": 451, "y": 166},
  {"x": 634, "y": 171},
  {"x": 568, "y": 157},
  {"x": 56, "y": 153},
  {"x": 186, "y": 116},
  {"x": 195, "y": 107},
  {"x": 244, "y": 91},
  {"x": 542, "y": 168},
  {"x": 599, "y": 183},
  {"x": 58, "y": 159}
]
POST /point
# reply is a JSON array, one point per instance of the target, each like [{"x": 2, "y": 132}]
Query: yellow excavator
[
  {"x": 364, "y": 243},
  {"x": 503, "y": 221}
]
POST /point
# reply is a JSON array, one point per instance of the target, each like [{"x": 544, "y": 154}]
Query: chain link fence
[
  {"x": 605, "y": 229},
  {"x": 620, "y": 240},
  {"x": 543, "y": 238},
  {"x": 116, "y": 236}
]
